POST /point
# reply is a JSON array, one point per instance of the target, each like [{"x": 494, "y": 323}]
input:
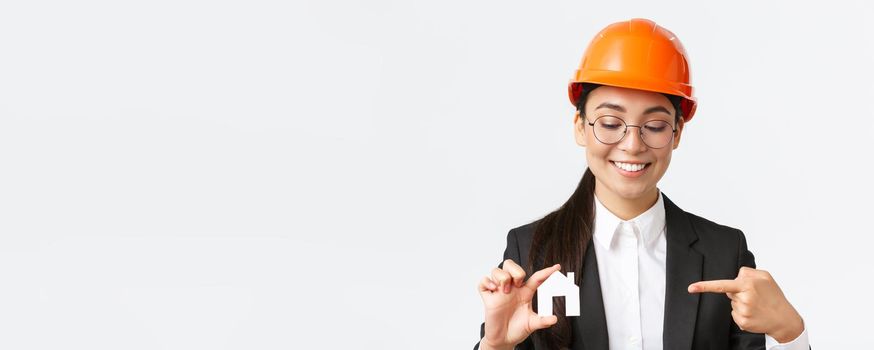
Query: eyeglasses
[{"x": 654, "y": 133}]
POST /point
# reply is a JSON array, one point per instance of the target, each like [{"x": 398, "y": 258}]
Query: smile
[{"x": 630, "y": 167}]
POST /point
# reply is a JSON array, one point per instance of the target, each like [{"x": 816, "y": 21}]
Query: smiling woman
[
  {"x": 627, "y": 167},
  {"x": 641, "y": 262}
]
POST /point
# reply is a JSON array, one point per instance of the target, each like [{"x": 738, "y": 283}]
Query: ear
[
  {"x": 679, "y": 133},
  {"x": 580, "y": 129}
]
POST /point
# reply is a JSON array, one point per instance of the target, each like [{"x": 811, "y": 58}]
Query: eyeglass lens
[{"x": 611, "y": 130}]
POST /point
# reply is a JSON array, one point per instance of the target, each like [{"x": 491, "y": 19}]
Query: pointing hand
[{"x": 758, "y": 305}]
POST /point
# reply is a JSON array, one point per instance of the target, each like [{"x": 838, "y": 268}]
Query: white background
[{"x": 274, "y": 175}]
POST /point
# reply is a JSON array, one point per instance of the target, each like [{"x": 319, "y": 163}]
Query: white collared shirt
[{"x": 631, "y": 263}]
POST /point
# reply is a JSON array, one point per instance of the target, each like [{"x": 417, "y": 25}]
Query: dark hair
[{"x": 563, "y": 235}]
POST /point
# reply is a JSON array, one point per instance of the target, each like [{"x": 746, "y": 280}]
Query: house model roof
[{"x": 558, "y": 285}]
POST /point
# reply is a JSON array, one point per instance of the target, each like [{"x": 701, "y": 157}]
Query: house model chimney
[{"x": 559, "y": 285}]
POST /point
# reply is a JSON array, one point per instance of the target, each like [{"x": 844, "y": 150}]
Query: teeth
[{"x": 629, "y": 166}]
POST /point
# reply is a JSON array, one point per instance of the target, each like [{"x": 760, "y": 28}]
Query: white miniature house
[{"x": 557, "y": 285}]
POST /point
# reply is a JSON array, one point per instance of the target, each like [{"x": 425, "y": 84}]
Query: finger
[
  {"x": 715, "y": 286},
  {"x": 741, "y": 321},
  {"x": 741, "y": 309},
  {"x": 515, "y": 271},
  {"x": 536, "y": 321},
  {"x": 540, "y": 276},
  {"x": 502, "y": 279},
  {"x": 743, "y": 298},
  {"x": 487, "y": 285}
]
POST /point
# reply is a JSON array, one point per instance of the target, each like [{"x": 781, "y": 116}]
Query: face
[{"x": 617, "y": 167}]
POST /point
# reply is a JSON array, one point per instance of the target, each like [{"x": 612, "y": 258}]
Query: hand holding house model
[{"x": 557, "y": 285}]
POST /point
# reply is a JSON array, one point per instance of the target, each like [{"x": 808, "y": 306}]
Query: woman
[{"x": 651, "y": 276}]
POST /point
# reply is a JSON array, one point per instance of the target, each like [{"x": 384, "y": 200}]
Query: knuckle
[
  {"x": 746, "y": 271},
  {"x": 514, "y": 270},
  {"x": 518, "y": 274},
  {"x": 759, "y": 286},
  {"x": 499, "y": 275}
]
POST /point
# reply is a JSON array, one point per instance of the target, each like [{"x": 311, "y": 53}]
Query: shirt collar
[{"x": 650, "y": 223}]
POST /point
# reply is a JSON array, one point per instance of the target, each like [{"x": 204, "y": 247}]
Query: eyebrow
[{"x": 619, "y": 108}]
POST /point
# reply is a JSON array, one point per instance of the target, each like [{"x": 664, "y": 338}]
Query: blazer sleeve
[
  {"x": 510, "y": 252},
  {"x": 743, "y": 340}
]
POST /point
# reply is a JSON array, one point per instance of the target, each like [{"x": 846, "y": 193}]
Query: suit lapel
[
  {"x": 683, "y": 267},
  {"x": 592, "y": 324}
]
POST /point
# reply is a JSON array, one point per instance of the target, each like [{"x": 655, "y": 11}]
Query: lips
[{"x": 630, "y": 167}]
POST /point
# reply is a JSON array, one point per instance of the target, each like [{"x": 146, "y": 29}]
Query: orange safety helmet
[{"x": 637, "y": 54}]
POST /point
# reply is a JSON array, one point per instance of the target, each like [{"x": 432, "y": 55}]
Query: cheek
[
  {"x": 663, "y": 160},
  {"x": 664, "y": 156},
  {"x": 596, "y": 160},
  {"x": 596, "y": 152}
]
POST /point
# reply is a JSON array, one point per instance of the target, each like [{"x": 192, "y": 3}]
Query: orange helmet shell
[{"x": 636, "y": 54}]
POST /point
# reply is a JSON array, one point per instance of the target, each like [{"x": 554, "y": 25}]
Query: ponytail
[{"x": 562, "y": 237}]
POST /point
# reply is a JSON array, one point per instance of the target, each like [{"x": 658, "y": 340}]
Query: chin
[
  {"x": 631, "y": 193},
  {"x": 633, "y": 189},
  {"x": 623, "y": 187}
]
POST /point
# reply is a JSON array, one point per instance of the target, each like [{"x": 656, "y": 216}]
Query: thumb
[
  {"x": 536, "y": 321},
  {"x": 540, "y": 276}
]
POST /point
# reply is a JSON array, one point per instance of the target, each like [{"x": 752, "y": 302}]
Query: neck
[{"x": 625, "y": 208}]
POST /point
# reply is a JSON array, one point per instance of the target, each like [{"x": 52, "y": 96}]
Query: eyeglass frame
[{"x": 639, "y": 130}]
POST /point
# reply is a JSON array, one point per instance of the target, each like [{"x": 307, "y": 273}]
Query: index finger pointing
[{"x": 715, "y": 286}]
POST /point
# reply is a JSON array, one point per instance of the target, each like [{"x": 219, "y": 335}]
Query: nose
[{"x": 633, "y": 141}]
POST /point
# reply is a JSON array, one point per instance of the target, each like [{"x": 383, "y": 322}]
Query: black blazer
[{"x": 697, "y": 249}]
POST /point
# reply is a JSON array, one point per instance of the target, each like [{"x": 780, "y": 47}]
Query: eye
[
  {"x": 610, "y": 123},
  {"x": 655, "y": 129}
]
